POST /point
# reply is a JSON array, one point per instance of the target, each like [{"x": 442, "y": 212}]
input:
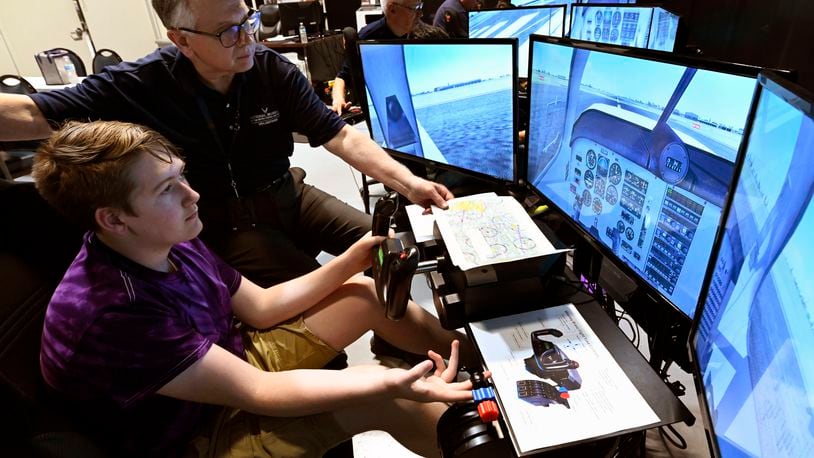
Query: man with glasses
[
  {"x": 231, "y": 107},
  {"x": 452, "y": 16},
  {"x": 401, "y": 18}
]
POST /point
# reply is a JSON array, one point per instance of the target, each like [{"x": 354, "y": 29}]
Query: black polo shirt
[
  {"x": 376, "y": 30},
  {"x": 162, "y": 91}
]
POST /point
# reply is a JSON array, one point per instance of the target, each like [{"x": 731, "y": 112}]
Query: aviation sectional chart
[{"x": 487, "y": 229}]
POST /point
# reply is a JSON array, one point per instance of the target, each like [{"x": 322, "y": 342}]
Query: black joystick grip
[
  {"x": 401, "y": 270},
  {"x": 383, "y": 213}
]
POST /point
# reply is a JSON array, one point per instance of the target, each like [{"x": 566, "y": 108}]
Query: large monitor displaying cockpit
[
  {"x": 753, "y": 334},
  {"x": 518, "y": 23},
  {"x": 450, "y": 102},
  {"x": 639, "y": 152}
]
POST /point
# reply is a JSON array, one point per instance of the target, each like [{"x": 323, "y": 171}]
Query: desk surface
[
  {"x": 652, "y": 389},
  {"x": 39, "y": 84},
  {"x": 296, "y": 44}
]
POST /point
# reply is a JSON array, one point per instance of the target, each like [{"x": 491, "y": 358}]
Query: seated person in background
[
  {"x": 452, "y": 17},
  {"x": 169, "y": 350},
  {"x": 401, "y": 17}
]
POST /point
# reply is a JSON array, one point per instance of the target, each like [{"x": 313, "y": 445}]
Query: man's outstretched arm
[
  {"x": 21, "y": 119},
  {"x": 369, "y": 158}
]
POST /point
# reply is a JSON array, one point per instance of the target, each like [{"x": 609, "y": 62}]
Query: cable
[
  {"x": 679, "y": 442},
  {"x": 635, "y": 339}
]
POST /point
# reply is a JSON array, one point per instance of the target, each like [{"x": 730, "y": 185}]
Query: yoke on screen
[
  {"x": 450, "y": 103},
  {"x": 637, "y": 149}
]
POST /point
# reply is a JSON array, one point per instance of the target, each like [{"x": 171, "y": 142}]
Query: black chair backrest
[
  {"x": 103, "y": 58},
  {"x": 269, "y": 21},
  {"x": 77, "y": 61},
  {"x": 15, "y": 84}
]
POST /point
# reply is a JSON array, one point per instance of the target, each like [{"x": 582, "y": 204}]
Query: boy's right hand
[
  {"x": 358, "y": 254},
  {"x": 438, "y": 387}
]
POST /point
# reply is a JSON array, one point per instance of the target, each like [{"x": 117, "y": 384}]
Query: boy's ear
[{"x": 107, "y": 218}]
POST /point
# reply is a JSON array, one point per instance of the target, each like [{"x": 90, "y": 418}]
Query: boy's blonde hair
[{"x": 86, "y": 166}]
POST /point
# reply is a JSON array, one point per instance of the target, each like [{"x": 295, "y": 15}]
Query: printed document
[{"x": 598, "y": 400}]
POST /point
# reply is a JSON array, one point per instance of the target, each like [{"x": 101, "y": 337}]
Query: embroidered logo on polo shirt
[{"x": 265, "y": 117}]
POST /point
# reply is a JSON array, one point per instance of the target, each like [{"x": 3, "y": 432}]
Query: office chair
[
  {"x": 103, "y": 58},
  {"x": 269, "y": 21},
  {"x": 16, "y": 157},
  {"x": 77, "y": 61},
  {"x": 15, "y": 84}
]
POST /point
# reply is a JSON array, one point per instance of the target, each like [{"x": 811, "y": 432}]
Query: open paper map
[{"x": 486, "y": 229}]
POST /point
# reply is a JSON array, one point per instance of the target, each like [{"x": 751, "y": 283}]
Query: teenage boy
[{"x": 173, "y": 352}]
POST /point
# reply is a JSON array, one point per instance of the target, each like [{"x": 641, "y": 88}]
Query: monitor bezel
[
  {"x": 622, "y": 5},
  {"x": 658, "y": 56},
  {"x": 516, "y": 160},
  {"x": 802, "y": 100},
  {"x": 563, "y": 6},
  {"x": 290, "y": 6}
]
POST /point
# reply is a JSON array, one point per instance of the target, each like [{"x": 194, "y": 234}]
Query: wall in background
[{"x": 128, "y": 27}]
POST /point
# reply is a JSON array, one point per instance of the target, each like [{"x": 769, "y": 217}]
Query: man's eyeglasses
[
  {"x": 415, "y": 9},
  {"x": 229, "y": 36}
]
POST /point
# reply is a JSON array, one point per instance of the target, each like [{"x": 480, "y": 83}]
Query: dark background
[{"x": 767, "y": 33}]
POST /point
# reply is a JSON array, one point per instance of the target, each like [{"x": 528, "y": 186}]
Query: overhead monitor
[
  {"x": 564, "y": 3},
  {"x": 518, "y": 23},
  {"x": 625, "y": 25},
  {"x": 638, "y": 148},
  {"x": 753, "y": 335},
  {"x": 450, "y": 102},
  {"x": 309, "y": 13},
  {"x": 663, "y": 30}
]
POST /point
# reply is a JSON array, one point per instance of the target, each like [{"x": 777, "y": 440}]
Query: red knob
[{"x": 488, "y": 411}]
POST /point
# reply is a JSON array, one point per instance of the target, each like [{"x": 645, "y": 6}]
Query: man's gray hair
[{"x": 174, "y": 13}]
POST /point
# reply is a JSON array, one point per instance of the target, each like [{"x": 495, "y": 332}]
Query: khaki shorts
[{"x": 236, "y": 433}]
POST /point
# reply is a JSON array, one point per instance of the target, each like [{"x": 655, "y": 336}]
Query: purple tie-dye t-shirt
[{"x": 115, "y": 332}]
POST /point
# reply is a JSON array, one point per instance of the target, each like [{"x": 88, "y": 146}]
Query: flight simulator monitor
[
  {"x": 755, "y": 329},
  {"x": 564, "y": 3},
  {"x": 639, "y": 153},
  {"x": 625, "y": 25},
  {"x": 518, "y": 23},
  {"x": 448, "y": 102},
  {"x": 309, "y": 13}
]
